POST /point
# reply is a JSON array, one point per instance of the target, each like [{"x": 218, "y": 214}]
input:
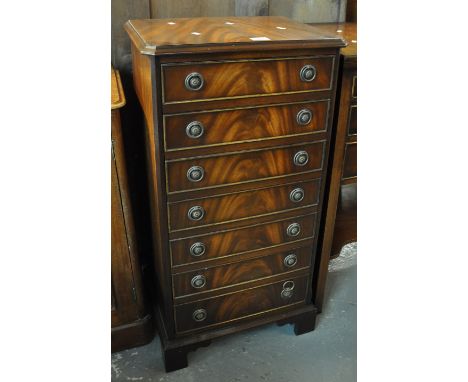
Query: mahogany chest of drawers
[{"x": 238, "y": 118}]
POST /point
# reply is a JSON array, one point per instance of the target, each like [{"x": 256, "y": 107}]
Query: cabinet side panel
[{"x": 144, "y": 78}]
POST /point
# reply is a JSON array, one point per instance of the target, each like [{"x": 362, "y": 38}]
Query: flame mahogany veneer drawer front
[
  {"x": 231, "y": 242},
  {"x": 240, "y": 272},
  {"x": 197, "y": 173},
  {"x": 222, "y": 309},
  {"x": 252, "y": 77},
  {"x": 242, "y": 205},
  {"x": 242, "y": 125}
]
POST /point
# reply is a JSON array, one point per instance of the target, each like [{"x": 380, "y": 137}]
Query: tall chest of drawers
[{"x": 238, "y": 115}]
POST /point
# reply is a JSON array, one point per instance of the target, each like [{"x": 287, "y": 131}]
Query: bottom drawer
[
  {"x": 350, "y": 161},
  {"x": 222, "y": 309}
]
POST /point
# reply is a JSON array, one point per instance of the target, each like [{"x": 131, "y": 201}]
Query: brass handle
[
  {"x": 290, "y": 260},
  {"x": 285, "y": 294},
  {"x": 195, "y": 173},
  {"x": 196, "y": 213},
  {"x": 304, "y": 117},
  {"x": 199, "y": 315},
  {"x": 199, "y": 281},
  {"x": 293, "y": 229},
  {"x": 288, "y": 285},
  {"x": 194, "y": 81},
  {"x": 197, "y": 249},
  {"x": 194, "y": 129},
  {"x": 308, "y": 73},
  {"x": 296, "y": 195},
  {"x": 301, "y": 158}
]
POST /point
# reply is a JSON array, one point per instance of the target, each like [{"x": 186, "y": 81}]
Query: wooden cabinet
[
  {"x": 238, "y": 124},
  {"x": 340, "y": 224},
  {"x": 131, "y": 323}
]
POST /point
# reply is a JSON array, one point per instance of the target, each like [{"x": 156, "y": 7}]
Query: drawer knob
[
  {"x": 194, "y": 81},
  {"x": 304, "y": 117},
  {"x": 288, "y": 285},
  {"x": 197, "y": 249},
  {"x": 285, "y": 294},
  {"x": 195, "y": 173},
  {"x": 199, "y": 281},
  {"x": 196, "y": 213},
  {"x": 290, "y": 260},
  {"x": 296, "y": 195},
  {"x": 199, "y": 315},
  {"x": 308, "y": 73},
  {"x": 194, "y": 129},
  {"x": 293, "y": 229},
  {"x": 301, "y": 158}
]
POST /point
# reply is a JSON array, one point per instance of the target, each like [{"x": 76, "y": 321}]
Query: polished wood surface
[
  {"x": 244, "y": 125},
  {"x": 131, "y": 324},
  {"x": 339, "y": 224},
  {"x": 250, "y": 238},
  {"x": 347, "y": 31},
  {"x": 212, "y": 34},
  {"x": 233, "y": 306},
  {"x": 252, "y": 153},
  {"x": 241, "y": 272},
  {"x": 246, "y": 78},
  {"x": 350, "y": 161},
  {"x": 241, "y": 205},
  {"x": 244, "y": 167}
]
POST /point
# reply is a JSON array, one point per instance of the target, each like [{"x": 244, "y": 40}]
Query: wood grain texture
[
  {"x": 240, "y": 272},
  {"x": 350, "y": 161},
  {"x": 237, "y": 305},
  {"x": 214, "y": 34},
  {"x": 243, "y": 167},
  {"x": 247, "y": 204},
  {"x": 233, "y": 242},
  {"x": 243, "y": 125},
  {"x": 347, "y": 31},
  {"x": 345, "y": 230},
  {"x": 347, "y": 78},
  {"x": 246, "y": 78}
]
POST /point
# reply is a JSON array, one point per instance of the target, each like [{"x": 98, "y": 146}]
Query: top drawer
[{"x": 231, "y": 79}]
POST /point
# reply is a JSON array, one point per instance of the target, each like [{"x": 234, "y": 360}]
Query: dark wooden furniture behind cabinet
[
  {"x": 339, "y": 226},
  {"x": 238, "y": 120},
  {"x": 131, "y": 323}
]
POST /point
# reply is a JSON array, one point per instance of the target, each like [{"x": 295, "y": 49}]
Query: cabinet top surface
[
  {"x": 348, "y": 31},
  {"x": 117, "y": 94},
  {"x": 205, "y": 34}
]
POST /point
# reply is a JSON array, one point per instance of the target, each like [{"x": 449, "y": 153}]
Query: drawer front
[
  {"x": 352, "y": 122},
  {"x": 222, "y": 309},
  {"x": 214, "y": 80},
  {"x": 231, "y": 274},
  {"x": 350, "y": 161},
  {"x": 354, "y": 90},
  {"x": 232, "y": 242},
  {"x": 243, "y": 205},
  {"x": 235, "y": 126},
  {"x": 243, "y": 167}
]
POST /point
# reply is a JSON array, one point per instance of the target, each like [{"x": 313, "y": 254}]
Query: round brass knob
[
  {"x": 304, "y": 117},
  {"x": 194, "y": 129},
  {"x": 285, "y": 294},
  {"x": 308, "y": 73},
  {"x": 288, "y": 285},
  {"x": 199, "y": 315},
  {"x": 293, "y": 229},
  {"x": 197, "y": 249},
  {"x": 199, "y": 281},
  {"x": 196, "y": 213},
  {"x": 301, "y": 158},
  {"x": 296, "y": 195},
  {"x": 195, "y": 173},
  {"x": 290, "y": 260},
  {"x": 194, "y": 81}
]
